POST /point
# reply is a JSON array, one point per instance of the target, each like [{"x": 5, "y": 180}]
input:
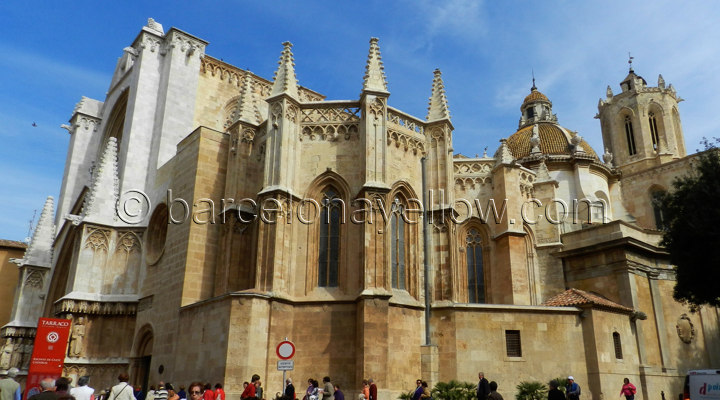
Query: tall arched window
[
  {"x": 656, "y": 199},
  {"x": 329, "y": 248},
  {"x": 397, "y": 246},
  {"x": 476, "y": 276},
  {"x": 653, "y": 130},
  {"x": 630, "y": 135}
]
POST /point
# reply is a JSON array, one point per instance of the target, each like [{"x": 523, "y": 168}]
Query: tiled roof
[
  {"x": 552, "y": 141},
  {"x": 577, "y": 297},
  {"x": 12, "y": 243}
]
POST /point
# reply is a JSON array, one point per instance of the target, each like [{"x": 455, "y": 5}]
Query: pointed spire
[
  {"x": 661, "y": 82},
  {"x": 438, "y": 108},
  {"x": 39, "y": 252},
  {"x": 503, "y": 154},
  {"x": 542, "y": 174},
  {"x": 285, "y": 80},
  {"x": 609, "y": 92},
  {"x": 100, "y": 205},
  {"x": 247, "y": 103},
  {"x": 374, "y": 79}
]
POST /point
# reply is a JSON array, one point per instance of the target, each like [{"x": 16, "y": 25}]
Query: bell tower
[{"x": 641, "y": 124}]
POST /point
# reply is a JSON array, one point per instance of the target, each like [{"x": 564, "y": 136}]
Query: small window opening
[
  {"x": 512, "y": 343},
  {"x": 618, "y": 346},
  {"x": 630, "y": 135}
]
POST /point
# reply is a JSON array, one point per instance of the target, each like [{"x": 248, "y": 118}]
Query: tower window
[
  {"x": 397, "y": 252},
  {"x": 657, "y": 208},
  {"x": 530, "y": 112},
  {"x": 630, "y": 135},
  {"x": 476, "y": 278},
  {"x": 653, "y": 130},
  {"x": 329, "y": 249},
  {"x": 513, "y": 346},
  {"x": 618, "y": 346}
]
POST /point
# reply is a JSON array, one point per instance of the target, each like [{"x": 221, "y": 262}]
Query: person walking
[
  {"x": 328, "y": 389},
  {"x": 122, "y": 391},
  {"x": 373, "y": 390},
  {"x": 494, "y": 395},
  {"x": 9, "y": 388},
  {"x": 289, "y": 390},
  {"x": 572, "y": 389},
  {"x": 483, "y": 389},
  {"x": 219, "y": 392},
  {"x": 83, "y": 391},
  {"x": 628, "y": 390},
  {"x": 208, "y": 393},
  {"x": 366, "y": 389},
  {"x": 554, "y": 393},
  {"x": 426, "y": 391},
  {"x": 337, "y": 393},
  {"x": 418, "y": 390}
]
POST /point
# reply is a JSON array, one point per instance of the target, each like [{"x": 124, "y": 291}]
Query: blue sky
[{"x": 55, "y": 52}]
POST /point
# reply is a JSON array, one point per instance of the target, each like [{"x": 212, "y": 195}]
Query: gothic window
[
  {"x": 656, "y": 199},
  {"x": 397, "y": 250},
  {"x": 630, "y": 135},
  {"x": 329, "y": 249},
  {"x": 653, "y": 130},
  {"x": 618, "y": 346},
  {"x": 476, "y": 278}
]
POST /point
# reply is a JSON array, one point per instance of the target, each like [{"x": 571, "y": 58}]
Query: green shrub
[
  {"x": 454, "y": 390},
  {"x": 406, "y": 396},
  {"x": 531, "y": 391}
]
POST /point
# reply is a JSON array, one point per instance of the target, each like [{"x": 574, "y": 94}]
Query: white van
[{"x": 702, "y": 384}]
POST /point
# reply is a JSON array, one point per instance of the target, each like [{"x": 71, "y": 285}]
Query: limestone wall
[{"x": 471, "y": 339}]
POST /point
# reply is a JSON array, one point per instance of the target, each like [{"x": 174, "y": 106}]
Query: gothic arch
[
  {"x": 533, "y": 273},
  {"x": 116, "y": 121},
  {"x": 403, "y": 243},
  {"x": 656, "y": 126},
  {"x": 323, "y": 227},
  {"x": 473, "y": 260},
  {"x": 677, "y": 128},
  {"x": 655, "y": 193},
  {"x": 627, "y": 126},
  {"x": 143, "y": 355}
]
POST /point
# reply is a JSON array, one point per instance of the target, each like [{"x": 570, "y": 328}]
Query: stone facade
[{"x": 207, "y": 213}]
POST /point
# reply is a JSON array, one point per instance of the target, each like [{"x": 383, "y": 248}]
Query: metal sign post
[{"x": 285, "y": 351}]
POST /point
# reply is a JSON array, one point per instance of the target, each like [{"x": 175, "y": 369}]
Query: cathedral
[{"x": 207, "y": 214}]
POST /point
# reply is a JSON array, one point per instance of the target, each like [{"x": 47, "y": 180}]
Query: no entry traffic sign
[{"x": 285, "y": 350}]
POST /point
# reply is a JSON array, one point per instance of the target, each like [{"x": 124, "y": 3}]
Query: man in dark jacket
[
  {"x": 483, "y": 389},
  {"x": 554, "y": 393},
  {"x": 289, "y": 390}
]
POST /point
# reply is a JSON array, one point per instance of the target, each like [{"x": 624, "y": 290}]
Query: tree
[{"x": 692, "y": 229}]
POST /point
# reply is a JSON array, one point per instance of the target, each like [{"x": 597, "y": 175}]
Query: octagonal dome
[{"x": 554, "y": 140}]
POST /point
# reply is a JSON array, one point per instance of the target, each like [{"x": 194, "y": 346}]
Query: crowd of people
[
  {"x": 488, "y": 390},
  {"x": 60, "y": 389}
]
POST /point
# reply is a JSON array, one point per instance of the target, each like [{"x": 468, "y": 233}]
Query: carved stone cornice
[
  {"x": 18, "y": 331},
  {"x": 90, "y": 307}
]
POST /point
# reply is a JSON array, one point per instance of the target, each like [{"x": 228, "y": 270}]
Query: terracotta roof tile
[
  {"x": 577, "y": 297},
  {"x": 12, "y": 243}
]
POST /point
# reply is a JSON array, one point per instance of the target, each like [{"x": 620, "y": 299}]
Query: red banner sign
[{"x": 48, "y": 355}]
